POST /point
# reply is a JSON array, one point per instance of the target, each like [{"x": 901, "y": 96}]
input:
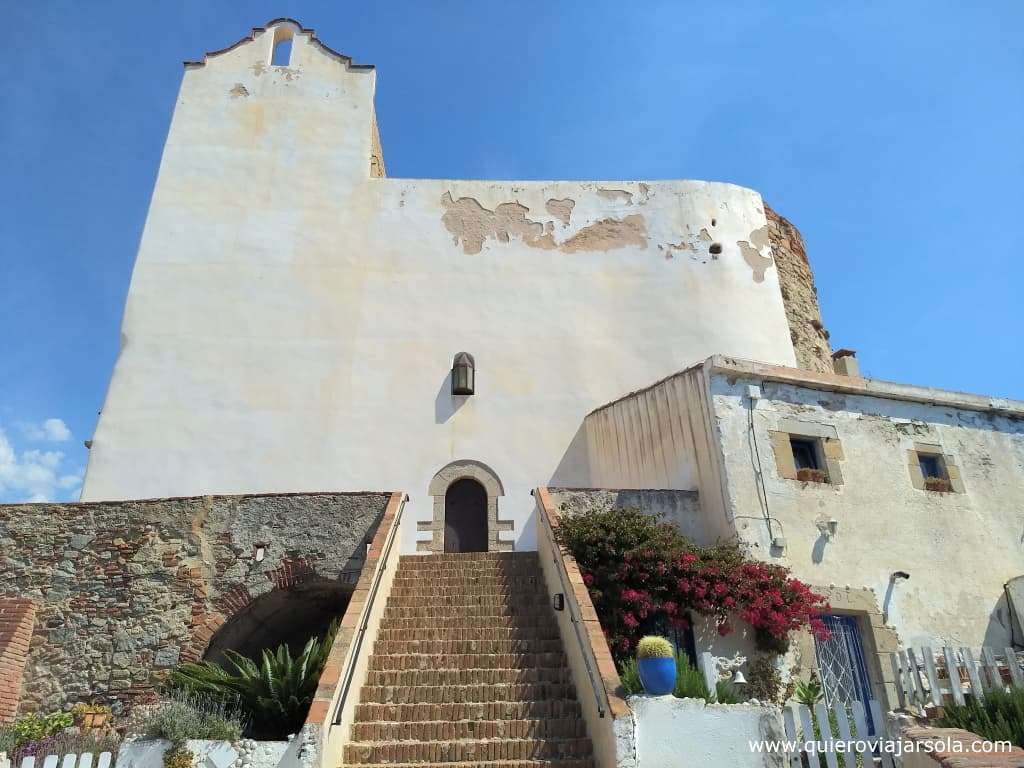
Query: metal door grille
[{"x": 844, "y": 674}]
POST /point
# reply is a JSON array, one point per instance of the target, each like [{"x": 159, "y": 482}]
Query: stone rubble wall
[
  {"x": 126, "y": 590},
  {"x": 799, "y": 295}
]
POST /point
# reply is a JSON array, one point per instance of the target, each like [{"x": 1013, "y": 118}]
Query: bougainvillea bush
[{"x": 644, "y": 576}]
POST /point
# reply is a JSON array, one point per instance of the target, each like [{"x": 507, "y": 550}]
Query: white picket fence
[
  {"x": 925, "y": 678},
  {"x": 84, "y": 760},
  {"x": 859, "y": 741}
]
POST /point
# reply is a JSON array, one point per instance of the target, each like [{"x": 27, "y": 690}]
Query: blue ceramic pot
[{"x": 657, "y": 675}]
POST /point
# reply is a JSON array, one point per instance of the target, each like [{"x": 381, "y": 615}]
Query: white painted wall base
[{"x": 680, "y": 733}]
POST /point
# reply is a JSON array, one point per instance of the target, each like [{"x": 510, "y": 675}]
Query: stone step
[
  {"x": 446, "y": 730},
  {"x": 468, "y": 661},
  {"x": 572, "y": 763},
  {"x": 460, "y": 600},
  {"x": 553, "y": 645},
  {"x": 466, "y": 677},
  {"x": 467, "y": 710},
  {"x": 361, "y": 753},
  {"x": 442, "y": 694},
  {"x": 480, "y": 628}
]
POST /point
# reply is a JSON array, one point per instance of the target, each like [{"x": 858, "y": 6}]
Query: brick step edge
[
  {"x": 466, "y": 611},
  {"x": 568, "y": 763},
  {"x": 468, "y": 694},
  {"x": 469, "y": 676},
  {"x": 469, "y": 556},
  {"x": 442, "y": 730},
  {"x": 459, "y": 711},
  {"x": 475, "y": 621},
  {"x": 513, "y": 632},
  {"x": 403, "y": 647},
  {"x": 456, "y": 751},
  {"x": 491, "y": 597},
  {"x": 408, "y": 661}
]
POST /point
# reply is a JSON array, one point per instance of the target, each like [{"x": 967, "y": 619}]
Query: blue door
[{"x": 844, "y": 673}]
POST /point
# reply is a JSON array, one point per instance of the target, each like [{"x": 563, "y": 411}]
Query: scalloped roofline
[{"x": 311, "y": 33}]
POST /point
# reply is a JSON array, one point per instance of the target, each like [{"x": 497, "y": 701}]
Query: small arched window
[{"x": 282, "y": 54}]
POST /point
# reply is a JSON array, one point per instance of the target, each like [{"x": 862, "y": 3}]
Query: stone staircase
[{"x": 468, "y": 669}]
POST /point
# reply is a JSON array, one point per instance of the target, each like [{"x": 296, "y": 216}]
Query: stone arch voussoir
[{"x": 461, "y": 470}]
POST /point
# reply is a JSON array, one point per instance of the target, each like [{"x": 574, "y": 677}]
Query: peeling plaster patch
[
  {"x": 561, "y": 209},
  {"x": 239, "y": 90},
  {"x": 760, "y": 237},
  {"x": 471, "y": 224},
  {"x": 705, "y": 235},
  {"x": 259, "y": 68},
  {"x": 645, "y": 192},
  {"x": 752, "y": 253},
  {"x": 289, "y": 73},
  {"x": 671, "y": 248},
  {"x": 609, "y": 234},
  {"x": 753, "y": 257},
  {"x": 619, "y": 195}
]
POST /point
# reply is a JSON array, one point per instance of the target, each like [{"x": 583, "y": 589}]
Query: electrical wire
[{"x": 755, "y": 463}]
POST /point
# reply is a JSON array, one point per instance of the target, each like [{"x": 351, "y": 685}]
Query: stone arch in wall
[
  {"x": 452, "y": 478},
  {"x": 289, "y": 615},
  {"x": 296, "y": 602}
]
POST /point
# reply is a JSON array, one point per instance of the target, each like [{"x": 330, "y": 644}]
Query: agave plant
[
  {"x": 276, "y": 690},
  {"x": 809, "y": 692}
]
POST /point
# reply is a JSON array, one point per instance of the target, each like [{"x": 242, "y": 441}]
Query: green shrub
[
  {"x": 275, "y": 693},
  {"x": 999, "y": 718},
  {"x": 689, "y": 680},
  {"x": 194, "y": 717},
  {"x": 629, "y": 675},
  {"x": 34, "y": 727},
  {"x": 764, "y": 682},
  {"x": 654, "y": 647},
  {"x": 8, "y": 739}
]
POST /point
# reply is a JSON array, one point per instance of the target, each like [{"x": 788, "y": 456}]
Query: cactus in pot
[{"x": 656, "y": 663}]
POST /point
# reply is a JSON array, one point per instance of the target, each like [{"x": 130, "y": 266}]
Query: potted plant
[
  {"x": 90, "y": 715},
  {"x": 808, "y": 475},
  {"x": 656, "y": 663},
  {"x": 938, "y": 484}
]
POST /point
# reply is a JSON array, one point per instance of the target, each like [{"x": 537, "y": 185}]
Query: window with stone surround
[
  {"x": 807, "y": 452},
  {"x": 933, "y": 470}
]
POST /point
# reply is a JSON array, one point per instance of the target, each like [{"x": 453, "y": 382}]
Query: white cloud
[
  {"x": 35, "y": 475},
  {"x": 50, "y": 431}
]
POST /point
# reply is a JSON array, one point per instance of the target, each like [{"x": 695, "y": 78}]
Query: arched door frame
[{"x": 453, "y": 472}]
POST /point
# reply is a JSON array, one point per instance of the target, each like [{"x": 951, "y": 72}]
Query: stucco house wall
[
  {"x": 292, "y": 316},
  {"x": 960, "y": 548}
]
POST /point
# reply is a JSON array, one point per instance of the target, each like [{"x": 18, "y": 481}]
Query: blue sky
[{"x": 891, "y": 134}]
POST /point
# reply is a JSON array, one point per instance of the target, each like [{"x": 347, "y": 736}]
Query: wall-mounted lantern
[{"x": 463, "y": 374}]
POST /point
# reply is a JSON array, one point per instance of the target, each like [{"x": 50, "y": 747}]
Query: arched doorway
[
  {"x": 464, "y": 487},
  {"x": 465, "y": 517}
]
